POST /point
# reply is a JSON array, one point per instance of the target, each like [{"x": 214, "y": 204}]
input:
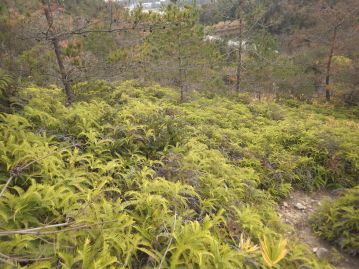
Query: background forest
[
  {"x": 179, "y": 137},
  {"x": 280, "y": 49}
]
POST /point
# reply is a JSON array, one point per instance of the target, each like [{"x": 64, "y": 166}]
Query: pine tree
[{"x": 177, "y": 54}]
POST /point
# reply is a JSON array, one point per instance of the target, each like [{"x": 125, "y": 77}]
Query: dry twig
[
  {"x": 169, "y": 243},
  {"x": 16, "y": 171}
]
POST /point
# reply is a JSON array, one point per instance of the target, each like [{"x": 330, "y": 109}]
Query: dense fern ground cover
[
  {"x": 129, "y": 178},
  {"x": 338, "y": 221}
]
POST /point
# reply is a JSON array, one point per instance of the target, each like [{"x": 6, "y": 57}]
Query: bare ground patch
[{"x": 296, "y": 212}]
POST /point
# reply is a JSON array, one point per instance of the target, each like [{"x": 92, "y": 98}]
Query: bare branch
[
  {"x": 38, "y": 230},
  {"x": 170, "y": 242},
  {"x": 16, "y": 171}
]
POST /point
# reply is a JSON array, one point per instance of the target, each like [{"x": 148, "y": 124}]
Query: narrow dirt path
[{"x": 296, "y": 211}]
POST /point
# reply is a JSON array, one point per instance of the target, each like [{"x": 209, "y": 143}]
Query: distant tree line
[{"x": 280, "y": 49}]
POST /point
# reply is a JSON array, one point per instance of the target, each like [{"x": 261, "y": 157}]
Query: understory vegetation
[
  {"x": 179, "y": 134},
  {"x": 338, "y": 222},
  {"x": 127, "y": 177}
]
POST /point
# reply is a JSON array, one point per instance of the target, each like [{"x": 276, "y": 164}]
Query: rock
[
  {"x": 299, "y": 206},
  {"x": 285, "y": 204},
  {"x": 322, "y": 253}
]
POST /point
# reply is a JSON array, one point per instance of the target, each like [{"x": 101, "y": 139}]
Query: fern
[
  {"x": 273, "y": 251},
  {"x": 124, "y": 164},
  {"x": 337, "y": 221}
]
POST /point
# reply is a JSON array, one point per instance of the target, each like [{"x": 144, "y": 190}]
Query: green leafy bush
[
  {"x": 338, "y": 221},
  {"x": 88, "y": 90}
]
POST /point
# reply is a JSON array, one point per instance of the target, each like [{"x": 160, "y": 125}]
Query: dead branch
[{"x": 16, "y": 171}]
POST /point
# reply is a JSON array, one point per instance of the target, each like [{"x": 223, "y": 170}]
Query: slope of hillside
[{"x": 129, "y": 178}]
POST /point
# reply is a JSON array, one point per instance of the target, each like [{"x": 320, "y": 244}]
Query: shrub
[
  {"x": 338, "y": 221},
  {"x": 88, "y": 90}
]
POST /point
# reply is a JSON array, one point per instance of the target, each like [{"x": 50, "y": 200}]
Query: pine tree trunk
[
  {"x": 181, "y": 82},
  {"x": 327, "y": 77},
  {"x": 239, "y": 64},
  {"x": 181, "y": 70},
  {"x": 55, "y": 43}
]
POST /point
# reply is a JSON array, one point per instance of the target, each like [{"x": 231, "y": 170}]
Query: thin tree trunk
[
  {"x": 239, "y": 64},
  {"x": 55, "y": 43},
  {"x": 182, "y": 94},
  {"x": 327, "y": 77},
  {"x": 111, "y": 15},
  {"x": 180, "y": 67},
  {"x": 180, "y": 80}
]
